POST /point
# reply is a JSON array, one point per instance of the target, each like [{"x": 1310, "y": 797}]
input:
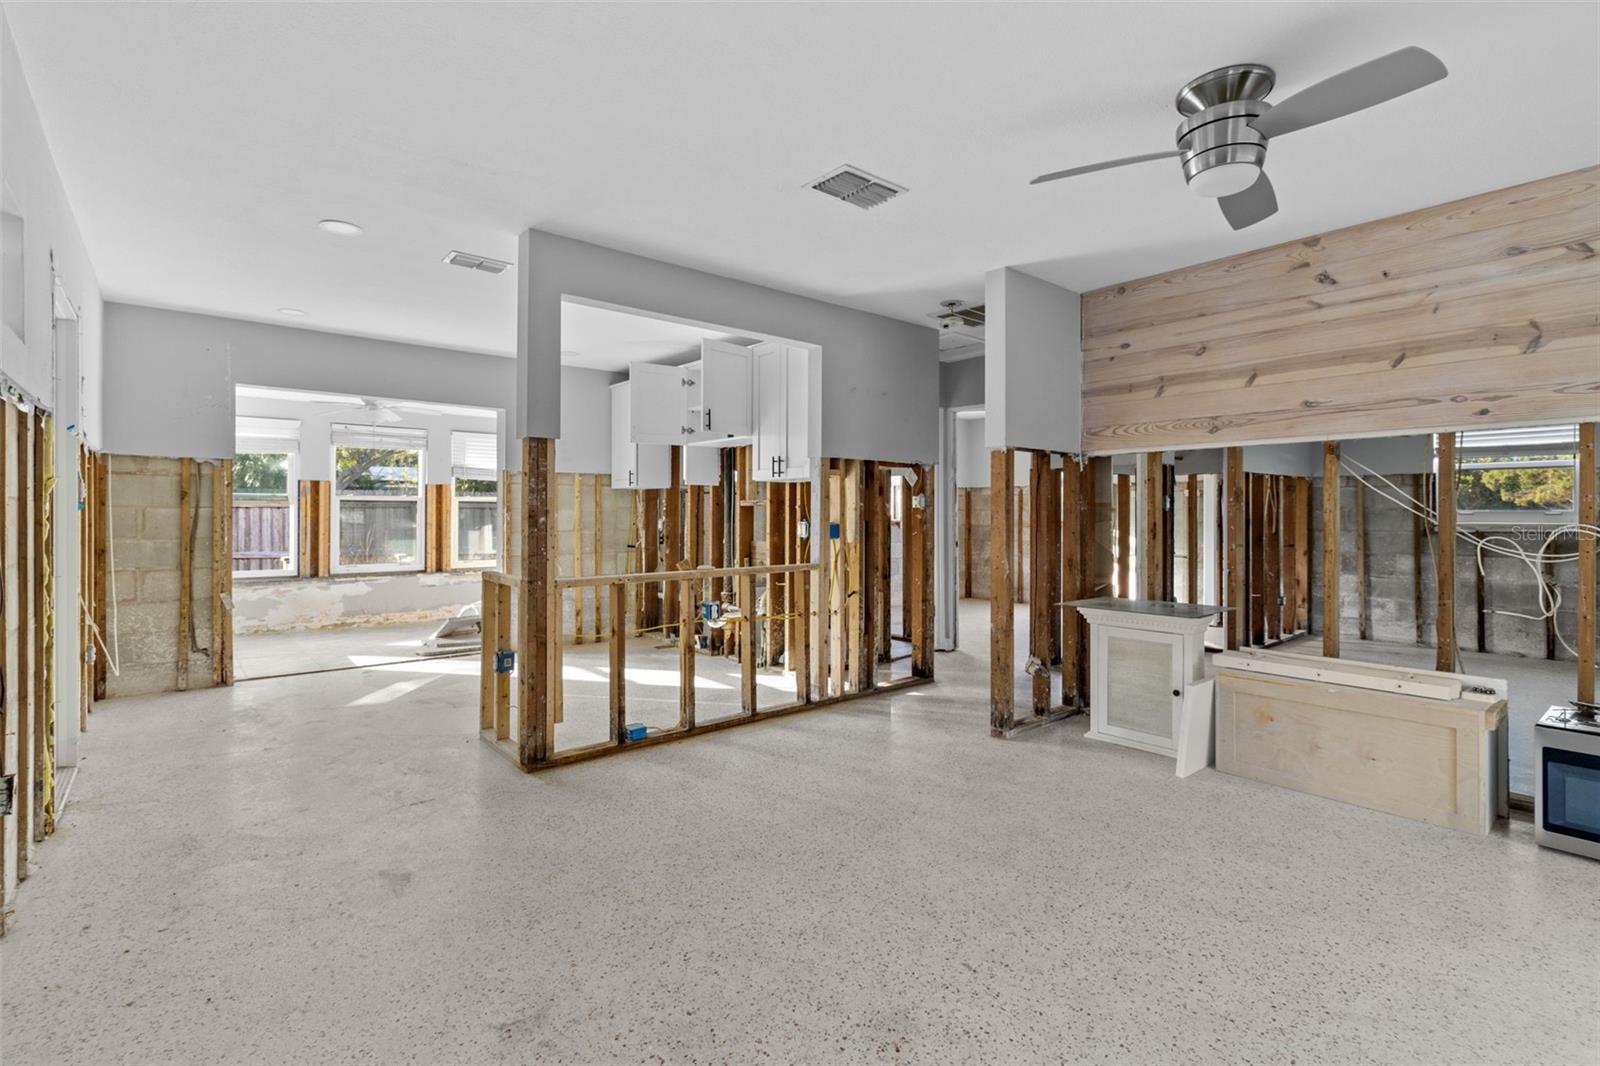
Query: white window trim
[
  {"x": 334, "y": 564},
  {"x": 256, "y": 447},
  {"x": 456, "y": 562}
]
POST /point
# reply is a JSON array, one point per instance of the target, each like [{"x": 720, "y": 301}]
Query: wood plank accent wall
[{"x": 1480, "y": 312}]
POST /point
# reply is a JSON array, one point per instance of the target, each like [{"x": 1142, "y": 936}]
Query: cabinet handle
[{"x": 708, "y": 418}]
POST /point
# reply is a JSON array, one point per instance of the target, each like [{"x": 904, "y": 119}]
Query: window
[
  {"x": 377, "y": 497},
  {"x": 473, "y": 464},
  {"x": 265, "y": 491},
  {"x": 1524, "y": 475}
]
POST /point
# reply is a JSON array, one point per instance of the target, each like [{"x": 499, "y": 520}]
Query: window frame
[
  {"x": 336, "y": 565},
  {"x": 292, "y": 490},
  {"x": 1511, "y": 460},
  {"x": 456, "y": 562}
]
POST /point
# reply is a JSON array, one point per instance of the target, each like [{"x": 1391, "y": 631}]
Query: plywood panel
[{"x": 1480, "y": 312}]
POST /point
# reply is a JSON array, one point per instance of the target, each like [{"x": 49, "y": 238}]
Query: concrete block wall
[
  {"x": 1509, "y": 585},
  {"x": 143, "y": 545}
]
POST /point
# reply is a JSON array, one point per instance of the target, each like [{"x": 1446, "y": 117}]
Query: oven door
[{"x": 1570, "y": 800}]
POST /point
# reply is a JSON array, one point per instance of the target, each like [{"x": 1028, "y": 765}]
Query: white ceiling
[
  {"x": 199, "y": 144},
  {"x": 600, "y": 338}
]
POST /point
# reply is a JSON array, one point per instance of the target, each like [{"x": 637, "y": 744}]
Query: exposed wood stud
[
  {"x": 578, "y": 596},
  {"x": 719, "y": 541},
  {"x": 1073, "y": 545},
  {"x": 101, "y": 467},
  {"x": 1588, "y": 515},
  {"x": 1302, "y": 561},
  {"x": 1256, "y": 524},
  {"x": 1002, "y": 623},
  {"x": 802, "y": 659},
  {"x": 1289, "y": 519},
  {"x": 672, "y": 540},
  {"x": 1419, "y": 493},
  {"x": 1191, "y": 501},
  {"x": 1445, "y": 558},
  {"x": 596, "y": 554},
  {"x": 186, "y": 513},
  {"x": 650, "y": 542},
  {"x": 1330, "y": 549},
  {"x": 1151, "y": 526},
  {"x": 1236, "y": 622},
  {"x": 618, "y": 679},
  {"x": 1124, "y": 534},
  {"x": 746, "y": 587},
  {"x": 536, "y": 725},
  {"x": 687, "y": 639},
  {"x": 922, "y": 568},
  {"x": 1039, "y": 606},
  {"x": 1272, "y": 566},
  {"x": 1363, "y": 599},
  {"x": 966, "y": 543}
]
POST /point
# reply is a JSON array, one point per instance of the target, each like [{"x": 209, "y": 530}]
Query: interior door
[
  {"x": 656, "y": 404},
  {"x": 724, "y": 389}
]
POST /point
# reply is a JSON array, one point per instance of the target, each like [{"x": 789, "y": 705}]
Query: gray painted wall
[
  {"x": 878, "y": 386},
  {"x": 961, "y": 383},
  {"x": 170, "y": 375},
  {"x": 1033, "y": 363}
]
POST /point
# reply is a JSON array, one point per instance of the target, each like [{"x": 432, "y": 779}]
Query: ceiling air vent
[
  {"x": 855, "y": 186},
  {"x": 477, "y": 262}
]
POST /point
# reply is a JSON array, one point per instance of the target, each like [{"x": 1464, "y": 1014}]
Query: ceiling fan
[
  {"x": 375, "y": 411},
  {"x": 1222, "y": 140}
]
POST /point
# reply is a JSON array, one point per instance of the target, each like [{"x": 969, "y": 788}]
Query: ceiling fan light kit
[{"x": 1227, "y": 122}]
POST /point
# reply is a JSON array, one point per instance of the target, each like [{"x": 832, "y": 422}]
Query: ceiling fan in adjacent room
[
  {"x": 374, "y": 411},
  {"x": 1222, "y": 140}
]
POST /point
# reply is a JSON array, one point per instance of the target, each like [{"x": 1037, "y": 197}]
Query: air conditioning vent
[
  {"x": 855, "y": 186},
  {"x": 477, "y": 262}
]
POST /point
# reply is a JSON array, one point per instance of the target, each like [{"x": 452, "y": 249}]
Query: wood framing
[
  {"x": 186, "y": 518},
  {"x": 650, "y": 541},
  {"x": 672, "y": 538},
  {"x": 1588, "y": 515},
  {"x": 1419, "y": 493},
  {"x": 1075, "y": 477},
  {"x": 1002, "y": 623},
  {"x": 222, "y": 573},
  {"x": 1040, "y": 606},
  {"x": 316, "y": 500},
  {"x": 100, "y": 507},
  {"x": 922, "y": 571},
  {"x": 1124, "y": 534},
  {"x": 1236, "y": 622},
  {"x": 1290, "y": 510},
  {"x": 1253, "y": 346},
  {"x": 966, "y": 543},
  {"x": 1363, "y": 602},
  {"x": 1445, "y": 558},
  {"x": 1272, "y": 559},
  {"x": 1330, "y": 549},
  {"x": 1191, "y": 546},
  {"x": 535, "y": 721},
  {"x": 437, "y": 548}
]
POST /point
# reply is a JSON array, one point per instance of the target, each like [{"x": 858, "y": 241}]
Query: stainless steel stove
[{"x": 1566, "y": 801}]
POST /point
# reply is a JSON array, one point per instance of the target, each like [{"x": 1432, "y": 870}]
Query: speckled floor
[
  {"x": 335, "y": 869},
  {"x": 258, "y": 655}
]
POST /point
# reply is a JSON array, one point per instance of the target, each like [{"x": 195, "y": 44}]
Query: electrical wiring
[{"x": 1549, "y": 593}]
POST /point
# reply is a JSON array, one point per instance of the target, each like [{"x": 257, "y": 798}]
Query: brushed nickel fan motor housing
[{"x": 1217, "y": 108}]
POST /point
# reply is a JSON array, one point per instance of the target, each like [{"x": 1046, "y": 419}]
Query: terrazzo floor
[{"x": 335, "y": 869}]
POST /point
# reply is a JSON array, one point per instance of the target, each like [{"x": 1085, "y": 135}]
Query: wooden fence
[{"x": 261, "y": 537}]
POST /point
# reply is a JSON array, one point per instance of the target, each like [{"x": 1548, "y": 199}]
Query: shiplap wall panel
[{"x": 1485, "y": 311}]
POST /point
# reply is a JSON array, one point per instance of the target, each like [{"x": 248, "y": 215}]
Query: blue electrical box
[
  {"x": 833, "y": 531},
  {"x": 504, "y": 661},
  {"x": 634, "y": 731}
]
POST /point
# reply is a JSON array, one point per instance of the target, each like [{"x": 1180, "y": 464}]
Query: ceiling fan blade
[
  {"x": 1356, "y": 89},
  {"x": 1092, "y": 167},
  {"x": 388, "y": 414},
  {"x": 1251, "y": 206}
]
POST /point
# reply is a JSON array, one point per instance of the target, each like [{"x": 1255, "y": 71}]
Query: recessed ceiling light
[
  {"x": 292, "y": 312},
  {"x": 340, "y": 228}
]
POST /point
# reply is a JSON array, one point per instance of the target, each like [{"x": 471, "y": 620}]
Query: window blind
[
  {"x": 355, "y": 436},
  {"x": 254, "y": 428},
  {"x": 1537, "y": 440},
  {"x": 474, "y": 455}
]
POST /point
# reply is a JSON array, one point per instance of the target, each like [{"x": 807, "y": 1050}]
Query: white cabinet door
[
  {"x": 702, "y": 465},
  {"x": 657, "y": 407},
  {"x": 771, "y": 428},
  {"x": 796, "y": 463},
  {"x": 622, "y": 449},
  {"x": 723, "y": 396},
  {"x": 652, "y": 466}
]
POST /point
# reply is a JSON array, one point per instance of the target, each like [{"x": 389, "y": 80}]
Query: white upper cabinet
[
  {"x": 634, "y": 466},
  {"x": 720, "y": 398},
  {"x": 658, "y": 408},
  {"x": 782, "y": 445}
]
